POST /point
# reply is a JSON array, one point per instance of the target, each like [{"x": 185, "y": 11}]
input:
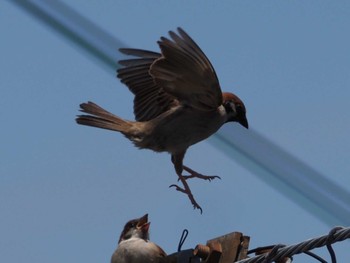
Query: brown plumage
[{"x": 178, "y": 102}]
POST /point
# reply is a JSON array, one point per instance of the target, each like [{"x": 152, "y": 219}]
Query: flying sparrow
[
  {"x": 134, "y": 245},
  {"x": 178, "y": 102}
]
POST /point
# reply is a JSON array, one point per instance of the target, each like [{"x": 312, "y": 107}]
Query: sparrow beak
[
  {"x": 143, "y": 223},
  {"x": 243, "y": 121}
]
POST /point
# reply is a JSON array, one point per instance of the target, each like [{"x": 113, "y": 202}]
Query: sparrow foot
[
  {"x": 186, "y": 190},
  {"x": 194, "y": 174}
]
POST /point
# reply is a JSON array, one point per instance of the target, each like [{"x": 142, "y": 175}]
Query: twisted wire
[{"x": 337, "y": 234}]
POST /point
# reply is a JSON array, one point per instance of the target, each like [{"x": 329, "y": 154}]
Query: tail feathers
[{"x": 101, "y": 118}]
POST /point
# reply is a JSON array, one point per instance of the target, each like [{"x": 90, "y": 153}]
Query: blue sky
[{"x": 66, "y": 190}]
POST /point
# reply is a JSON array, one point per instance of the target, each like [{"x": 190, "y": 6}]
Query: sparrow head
[
  {"x": 137, "y": 228},
  {"x": 235, "y": 109}
]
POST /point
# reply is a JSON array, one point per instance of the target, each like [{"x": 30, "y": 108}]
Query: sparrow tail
[{"x": 101, "y": 118}]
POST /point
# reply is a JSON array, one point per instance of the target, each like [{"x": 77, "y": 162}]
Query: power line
[{"x": 279, "y": 252}]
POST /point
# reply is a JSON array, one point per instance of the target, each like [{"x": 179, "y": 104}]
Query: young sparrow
[
  {"x": 134, "y": 245},
  {"x": 178, "y": 102}
]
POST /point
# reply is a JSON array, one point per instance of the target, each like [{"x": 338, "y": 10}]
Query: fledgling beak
[{"x": 143, "y": 223}]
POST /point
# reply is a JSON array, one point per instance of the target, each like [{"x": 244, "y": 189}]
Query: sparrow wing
[
  {"x": 150, "y": 99},
  {"x": 185, "y": 72}
]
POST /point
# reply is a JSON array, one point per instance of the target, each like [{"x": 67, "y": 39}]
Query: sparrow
[
  {"x": 178, "y": 102},
  {"x": 134, "y": 245}
]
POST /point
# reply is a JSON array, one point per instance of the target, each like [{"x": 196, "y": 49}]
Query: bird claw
[
  {"x": 201, "y": 176},
  {"x": 194, "y": 174},
  {"x": 186, "y": 190},
  {"x": 178, "y": 188},
  {"x": 190, "y": 196}
]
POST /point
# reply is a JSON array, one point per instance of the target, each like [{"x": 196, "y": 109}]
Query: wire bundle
[{"x": 279, "y": 252}]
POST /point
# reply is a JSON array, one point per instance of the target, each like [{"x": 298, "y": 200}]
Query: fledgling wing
[
  {"x": 150, "y": 99},
  {"x": 185, "y": 72},
  {"x": 161, "y": 252}
]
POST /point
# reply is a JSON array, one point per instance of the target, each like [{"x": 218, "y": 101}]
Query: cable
[{"x": 280, "y": 251}]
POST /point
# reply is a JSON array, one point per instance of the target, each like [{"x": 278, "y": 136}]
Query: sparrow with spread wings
[{"x": 178, "y": 102}]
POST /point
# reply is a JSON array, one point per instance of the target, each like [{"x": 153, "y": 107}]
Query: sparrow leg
[
  {"x": 194, "y": 174},
  {"x": 186, "y": 190},
  {"x": 177, "y": 161}
]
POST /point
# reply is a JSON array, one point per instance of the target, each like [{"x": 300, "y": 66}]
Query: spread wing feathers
[
  {"x": 185, "y": 72},
  {"x": 150, "y": 99}
]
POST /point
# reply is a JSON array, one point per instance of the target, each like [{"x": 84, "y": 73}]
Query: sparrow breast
[
  {"x": 180, "y": 127},
  {"x": 136, "y": 250}
]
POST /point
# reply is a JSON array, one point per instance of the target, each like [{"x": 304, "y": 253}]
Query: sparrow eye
[
  {"x": 132, "y": 225},
  {"x": 229, "y": 105},
  {"x": 239, "y": 109}
]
